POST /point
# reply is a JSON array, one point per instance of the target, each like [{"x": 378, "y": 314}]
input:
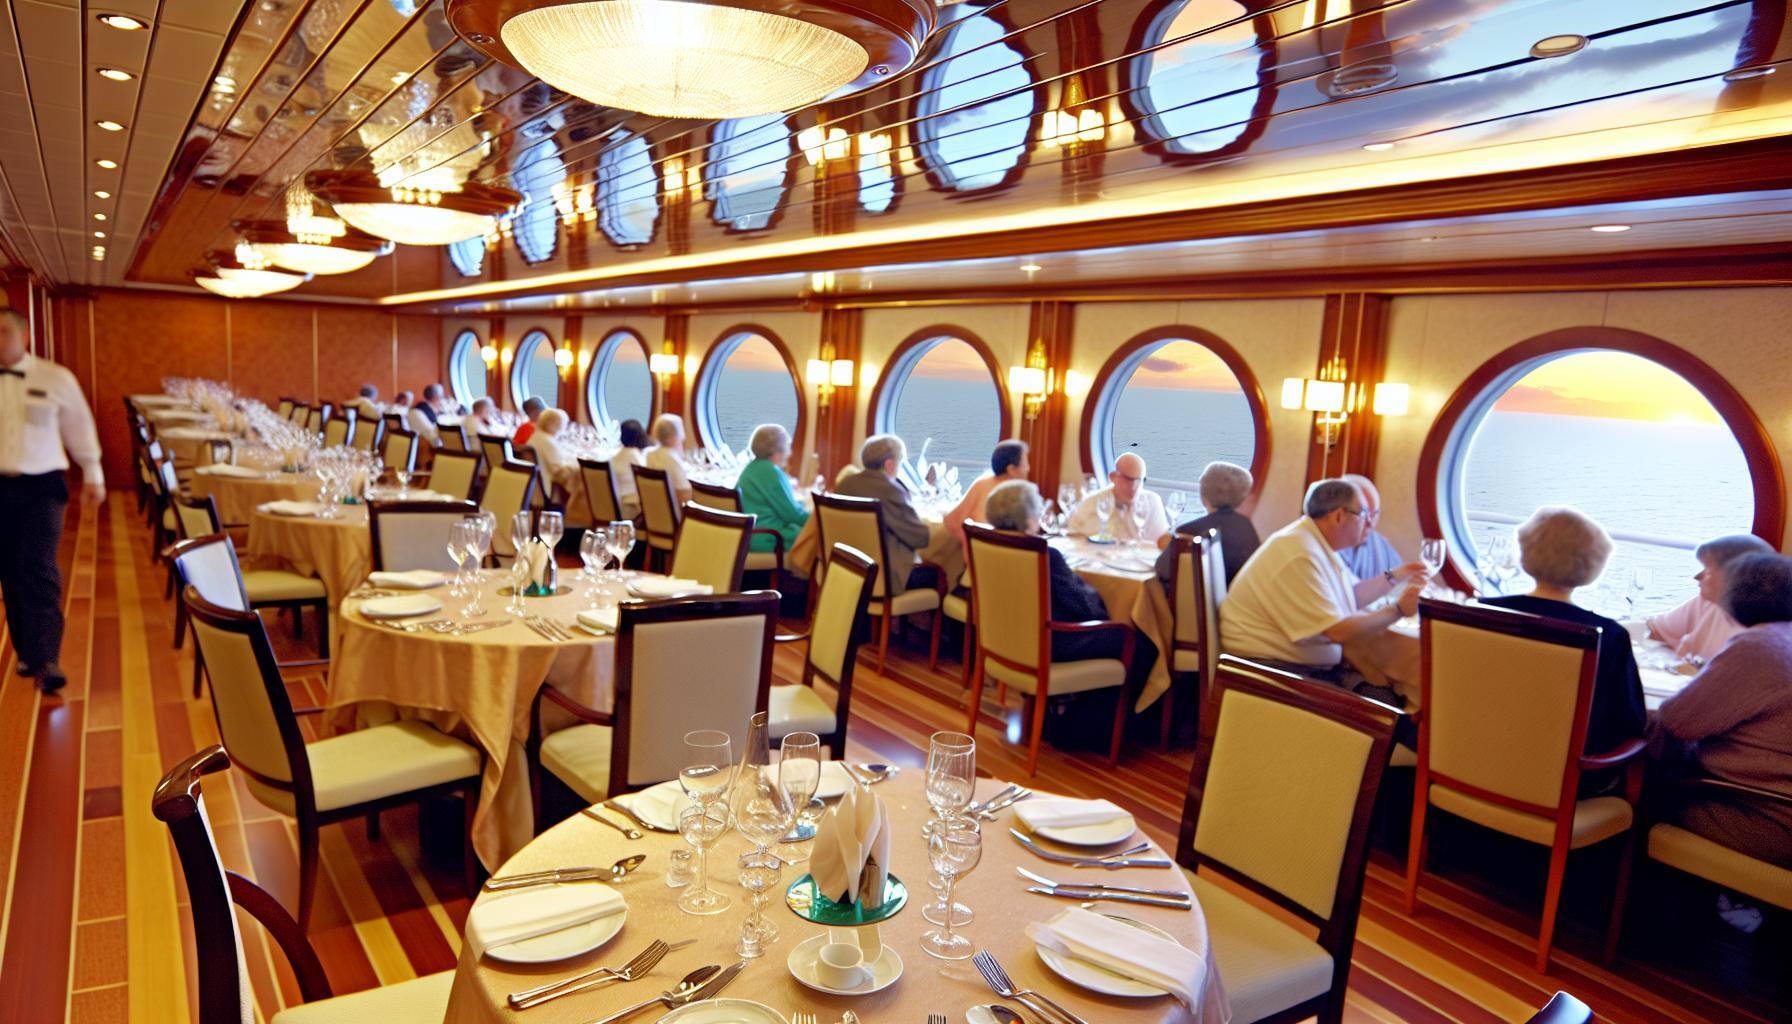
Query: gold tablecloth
[
  {"x": 338, "y": 551},
  {"x": 478, "y": 686},
  {"x": 1131, "y": 595},
  {"x": 237, "y": 496},
  {"x": 176, "y": 414},
  {"x": 994, "y": 892},
  {"x": 185, "y": 443}
]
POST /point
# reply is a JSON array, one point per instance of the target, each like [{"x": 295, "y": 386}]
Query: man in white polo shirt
[{"x": 1295, "y": 602}]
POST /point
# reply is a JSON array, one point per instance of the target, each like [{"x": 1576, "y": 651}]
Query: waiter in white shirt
[{"x": 44, "y": 420}]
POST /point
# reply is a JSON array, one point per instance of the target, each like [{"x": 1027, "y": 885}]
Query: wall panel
[
  {"x": 272, "y": 351},
  {"x": 354, "y": 347}
]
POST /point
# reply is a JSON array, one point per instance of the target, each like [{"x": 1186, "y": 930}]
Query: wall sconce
[
  {"x": 819, "y": 147},
  {"x": 575, "y": 204},
  {"x": 1032, "y": 383},
  {"x": 827, "y": 374},
  {"x": 1072, "y": 130},
  {"x": 563, "y": 361},
  {"x": 584, "y": 360},
  {"x": 822, "y": 281},
  {"x": 664, "y": 364},
  {"x": 1332, "y": 399},
  {"x": 489, "y": 353},
  {"x": 506, "y": 354}
]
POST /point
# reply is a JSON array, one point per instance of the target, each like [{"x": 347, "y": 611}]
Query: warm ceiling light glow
[
  {"x": 1294, "y": 392},
  {"x": 99, "y": 234},
  {"x": 110, "y": 165},
  {"x": 123, "y": 21},
  {"x": 331, "y": 252},
  {"x": 99, "y": 256},
  {"x": 1325, "y": 396},
  {"x": 111, "y": 126},
  {"x": 102, "y": 194},
  {"x": 224, "y": 83},
  {"x": 99, "y": 216},
  {"x": 1609, "y": 229},
  {"x": 1558, "y": 45},
  {"x": 692, "y": 58},
  {"x": 1030, "y": 268},
  {"x": 115, "y": 74},
  {"x": 244, "y": 274},
  {"x": 411, "y": 216},
  {"x": 1378, "y": 147},
  {"x": 1392, "y": 399}
]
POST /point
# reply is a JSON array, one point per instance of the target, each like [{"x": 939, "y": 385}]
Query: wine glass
[
  {"x": 954, "y": 851},
  {"x": 708, "y": 765},
  {"x": 479, "y": 545},
  {"x": 759, "y": 870},
  {"x": 762, "y": 812},
  {"x": 1431, "y": 553},
  {"x": 701, "y": 825},
  {"x": 404, "y": 481},
  {"x": 1176, "y": 504},
  {"x": 1066, "y": 498},
  {"x": 1141, "y": 513},
  {"x": 522, "y": 528},
  {"x": 519, "y": 581},
  {"x": 622, "y": 541},
  {"x": 593, "y": 552},
  {"x": 457, "y": 552},
  {"x": 1641, "y": 579},
  {"x": 550, "y": 526},
  {"x": 799, "y": 775},
  {"x": 1104, "y": 508},
  {"x": 951, "y": 778}
]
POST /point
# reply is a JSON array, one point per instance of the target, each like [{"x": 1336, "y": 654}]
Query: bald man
[
  {"x": 1376, "y": 555},
  {"x": 1126, "y": 489}
]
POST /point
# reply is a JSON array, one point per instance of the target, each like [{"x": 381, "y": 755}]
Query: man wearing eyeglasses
[
  {"x": 1134, "y": 514},
  {"x": 1376, "y": 555}
]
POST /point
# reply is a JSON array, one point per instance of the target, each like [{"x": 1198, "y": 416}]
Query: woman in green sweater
[{"x": 765, "y": 488}]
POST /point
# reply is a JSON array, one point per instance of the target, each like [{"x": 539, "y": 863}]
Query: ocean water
[
  {"x": 961, "y": 417},
  {"x": 747, "y": 398},
  {"x": 1178, "y": 431}
]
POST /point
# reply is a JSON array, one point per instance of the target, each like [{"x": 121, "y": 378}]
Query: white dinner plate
[
  {"x": 402, "y": 606},
  {"x": 724, "y": 1011},
  {"x": 297, "y": 509},
  {"x": 664, "y": 586},
  {"x": 1103, "y": 833},
  {"x": 1091, "y": 976},
  {"x": 413, "y": 579},
  {"x": 884, "y": 972},
  {"x": 567, "y": 942}
]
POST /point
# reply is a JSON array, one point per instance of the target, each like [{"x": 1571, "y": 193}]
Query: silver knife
[
  {"x": 548, "y": 878},
  {"x": 1169, "y": 894},
  {"x": 1085, "y": 862},
  {"x": 1118, "y": 897}
]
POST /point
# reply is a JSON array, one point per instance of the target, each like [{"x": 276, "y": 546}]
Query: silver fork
[
  {"x": 936, "y": 1018},
  {"x": 643, "y": 962},
  {"x": 1001, "y": 985},
  {"x": 799, "y": 1017}
]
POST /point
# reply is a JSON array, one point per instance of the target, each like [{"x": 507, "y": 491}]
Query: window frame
[
  {"x": 1442, "y": 456},
  {"x": 609, "y": 210},
  {"x": 466, "y": 338},
  {"x": 923, "y": 109},
  {"x": 523, "y": 359},
  {"x": 601, "y": 358},
  {"x": 703, "y": 399},
  {"x": 887, "y": 392},
  {"x": 714, "y": 178},
  {"x": 1148, "y": 34},
  {"x": 1098, "y": 407}
]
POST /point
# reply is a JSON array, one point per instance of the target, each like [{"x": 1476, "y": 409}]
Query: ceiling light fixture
[
  {"x": 110, "y": 126},
  {"x": 244, "y": 275},
  {"x": 122, "y": 21},
  {"x": 1558, "y": 46},
  {"x": 1030, "y": 268},
  {"x": 411, "y": 216},
  {"x": 99, "y": 234},
  {"x": 110, "y": 165},
  {"x": 99, "y": 216},
  {"x": 307, "y": 252},
  {"x": 224, "y": 83},
  {"x": 1609, "y": 229},
  {"x": 102, "y": 194},
  {"x": 114, "y": 74},
  {"x": 700, "y": 58}
]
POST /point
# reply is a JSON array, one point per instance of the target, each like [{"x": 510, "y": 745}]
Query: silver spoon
[{"x": 625, "y": 865}]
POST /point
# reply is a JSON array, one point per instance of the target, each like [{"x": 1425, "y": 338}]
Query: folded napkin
[
  {"x": 534, "y": 912},
  {"x": 659, "y": 804},
  {"x": 603, "y": 620},
  {"x": 852, "y": 850},
  {"x": 291, "y": 508},
  {"x": 1063, "y": 812},
  {"x": 541, "y": 565},
  {"x": 226, "y": 469},
  {"x": 666, "y": 586},
  {"x": 1122, "y": 949},
  {"x": 415, "y": 579}
]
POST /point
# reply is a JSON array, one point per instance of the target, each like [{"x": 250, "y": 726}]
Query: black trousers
[{"x": 31, "y": 510}]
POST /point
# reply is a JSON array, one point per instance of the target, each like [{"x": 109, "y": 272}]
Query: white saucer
[
  {"x": 401, "y": 606},
  {"x": 563, "y": 944},
  {"x": 802, "y": 967},
  {"x": 724, "y": 1011},
  {"x": 1100, "y": 979},
  {"x": 1105, "y": 833}
]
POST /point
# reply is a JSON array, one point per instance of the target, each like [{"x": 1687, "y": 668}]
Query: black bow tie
[{"x": 9, "y": 372}]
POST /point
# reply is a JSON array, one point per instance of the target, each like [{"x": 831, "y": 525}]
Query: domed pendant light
[
  {"x": 246, "y": 275},
  {"x": 700, "y": 58},
  {"x": 411, "y": 216},
  {"x": 325, "y": 246}
]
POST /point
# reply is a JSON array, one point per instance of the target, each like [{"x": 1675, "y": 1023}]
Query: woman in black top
[
  {"x": 1017, "y": 506},
  {"x": 1223, "y": 488}
]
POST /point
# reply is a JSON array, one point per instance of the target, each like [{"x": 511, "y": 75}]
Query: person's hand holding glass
[{"x": 708, "y": 770}]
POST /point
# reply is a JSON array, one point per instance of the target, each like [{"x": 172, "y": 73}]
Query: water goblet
[
  {"x": 702, "y": 825},
  {"x": 457, "y": 553},
  {"x": 522, "y": 528},
  {"x": 759, "y": 870},
  {"x": 1067, "y": 497},
  {"x": 1176, "y": 504},
  {"x": 1431, "y": 553},
  {"x": 954, "y": 851},
  {"x": 799, "y": 776},
  {"x": 404, "y": 481},
  {"x": 1104, "y": 509},
  {"x": 593, "y": 552},
  {"x": 951, "y": 779},
  {"x": 519, "y": 581},
  {"x": 1141, "y": 513},
  {"x": 708, "y": 765},
  {"x": 549, "y": 528},
  {"x": 621, "y": 543}
]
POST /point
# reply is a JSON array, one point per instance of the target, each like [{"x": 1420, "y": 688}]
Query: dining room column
[
  {"x": 494, "y": 371},
  {"x": 673, "y": 393},
  {"x": 1353, "y": 348},
  {"x": 1049, "y": 324},
  {"x": 571, "y": 339},
  {"x": 842, "y": 337}
]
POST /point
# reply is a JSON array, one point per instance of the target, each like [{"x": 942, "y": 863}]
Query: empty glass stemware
[
  {"x": 799, "y": 775},
  {"x": 522, "y": 529},
  {"x": 1104, "y": 508},
  {"x": 951, "y": 779},
  {"x": 550, "y": 526},
  {"x": 593, "y": 552},
  {"x": 1431, "y": 553},
  {"x": 954, "y": 851},
  {"x": 759, "y": 871},
  {"x": 621, "y": 542},
  {"x": 457, "y": 552},
  {"x": 1176, "y": 503},
  {"x": 707, "y": 773}
]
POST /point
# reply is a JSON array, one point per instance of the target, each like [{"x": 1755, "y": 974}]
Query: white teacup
[{"x": 841, "y": 965}]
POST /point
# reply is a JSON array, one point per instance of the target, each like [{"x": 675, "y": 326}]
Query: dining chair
[
  {"x": 414, "y": 534},
  {"x": 167, "y": 489},
  {"x": 600, "y": 491},
  {"x": 859, "y": 524},
  {"x": 216, "y": 451},
  {"x": 369, "y": 433},
  {"x": 834, "y": 635},
  {"x": 453, "y": 435},
  {"x": 1197, "y": 587},
  {"x": 315, "y": 416},
  {"x": 507, "y": 491},
  {"x": 398, "y": 449},
  {"x": 1562, "y": 1008},
  {"x": 1279, "y": 801},
  {"x": 1506, "y": 697},
  {"x": 220, "y": 962},
  {"x": 1013, "y": 605},
  {"x": 1684, "y": 850},
  {"x": 728, "y": 499},
  {"x": 497, "y": 449},
  {"x": 659, "y": 513},
  {"x": 209, "y": 563},
  {"x": 340, "y": 428},
  {"x": 301, "y": 412},
  {"x": 681, "y": 664},
  {"x": 285, "y": 408},
  {"x": 195, "y": 517},
  {"x": 349, "y": 775},
  {"x": 956, "y": 605},
  {"x": 711, "y": 547},
  {"x": 454, "y": 473}
]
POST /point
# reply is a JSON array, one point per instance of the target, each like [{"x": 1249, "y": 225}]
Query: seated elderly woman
[
  {"x": 1017, "y": 506},
  {"x": 1224, "y": 487},
  {"x": 1700, "y": 627},
  {"x": 1734, "y": 720},
  {"x": 668, "y": 457},
  {"x": 622, "y": 465},
  {"x": 558, "y": 465},
  {"x": 766, "y": 491},
  {"x": 1563, "y": 550}
]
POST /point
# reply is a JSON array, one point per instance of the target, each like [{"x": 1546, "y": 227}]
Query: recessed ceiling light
[
  {"x": 99, "y": 234},
  {"x": 400, "y": 77},
  {"x": 1744, "y": 74},
  {"x": 110, "y": 165},
  {"x": 123, "y": 21},
  {"x": 224, "y": 83},
  {"x": 99, "y": 257},
  {"x": 111, "y": 126},
  {"x": 1609, "y": 229},
  {"x": 99, "y": 216},
  {"x": 1378, "y": 147},
  {"x": 115, "y": 74},
  {"x": 1558, "y": 46},
  {"x": 101, "y": 194}
]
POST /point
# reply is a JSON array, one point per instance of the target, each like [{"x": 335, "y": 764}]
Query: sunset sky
[
  {"x": 1184, "y": 365},
  {"x": 1613, "y": 385}
]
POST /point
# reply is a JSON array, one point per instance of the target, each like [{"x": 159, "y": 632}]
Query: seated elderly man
[
  {"x": 422, "y": 417},
  {"x": 1007, "y": 462},
  {"x": 668, "y": 457},
  {"x": 479, "y": 421},
  {"x": 559, "y": 466},
  {"x": 1296, "y": 603},
  {"x": 1376, "y": 554},
  {"x": 367, "y": 404},
  {"x": 904, "y": 531},
  {"x": 1126, "y": 490},
  {"x": 766, "y": 491},
  {"x": 1700, "y": 627},
  {"x": 1224, "y": 487},
  {"x": 532, "y": 409},
  {"x": 1016, "y": 505}
]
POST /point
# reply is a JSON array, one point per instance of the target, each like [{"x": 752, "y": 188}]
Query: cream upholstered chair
[
  {"x": 350, "y": 775},
  {"x": 339, "y": 428},
  {"x": 398, "y": 449},
  {"x": 957, "y": 607},
  {"x": 223, "y": 975},
  {"x": 1013, "y": 606},
  {"x": 1506, "y": 697},
  {"x": 497, "y": 449},
  {"x": 285, "y": 408},
  {"x": 833, "y": 635},
  {"x": 858, "y": 523},
  {"x": 454, "y": 473},
  {"x": 453, "y": 435},
  {"x": 659, "y": 512},
  {"x": 711, "y": 547},
  {"x": 1197, "y": 587},
  {"x": 682, "y": 664},
  {"x": 368, "y": 433},
  {"x": 507, "y": 492},
  {"x": 600, "y": 491},
  {"x": 209, "y": 563},
  {"x": 1279, "y": 802},
  {"x": 315, "y": 416},
  {"x": 1692, "y": 853},
  {"x": 727, "y": 499},
  {"x": 414, "y": 534},
  {"x": 299, "y": 413}
]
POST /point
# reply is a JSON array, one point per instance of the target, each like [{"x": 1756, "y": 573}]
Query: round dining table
[
  {"x": 237, "y": 496},
  {"x": 476, "y": 682},
  {"x": 996, "y": 893},
  {"x": 186, "y": 442},
  {"x": 336, "y": 548}
]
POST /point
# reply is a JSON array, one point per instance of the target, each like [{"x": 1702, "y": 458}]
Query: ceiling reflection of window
[
  {"x": 1196, "y": 96},
  {"x": 877, "y": 174},
  {"x": 628, "y": 192},
  {"x": 468, "y": 256},
  {"x": 976, "y": 107},
  {"x": 749, "y": 160},
  {"x": 537, "y": 224}
]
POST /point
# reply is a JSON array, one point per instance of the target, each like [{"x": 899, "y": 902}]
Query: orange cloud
[
  {"x": 1186, "y": 366},
  {"x": 1608, "y": 385}
]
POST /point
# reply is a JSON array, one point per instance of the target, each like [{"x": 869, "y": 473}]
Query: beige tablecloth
[
  {"x": 994, "y": 892},
  {"x": 478, "y": 686},
  {"x": 237, "y": 496},
  {"x": 185, "y": 443},
  {"x": 176, "y": 414},
  {"x": 338, "y": 551},
  {"x": 1128, "y": 585}
]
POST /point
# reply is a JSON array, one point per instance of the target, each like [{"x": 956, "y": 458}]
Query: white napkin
[
  {"x": 1123, "y": 949},
  {"x": 226, "y": 469},
  {"x": 1064, "y": 812},
  {"x": 659, "y": 804},
  {"x": 540, "y": 911},
  {"x": 415, "y": 579},
  {"x": 541, "y": 561},
  {"x": 852, "y": 850},
  {"x": 666, "y": 586},
  {"x": 603, "y": 620},
  {"x": 291, "y": 508}
]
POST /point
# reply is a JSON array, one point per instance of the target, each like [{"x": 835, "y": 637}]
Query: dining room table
[
  {"x": 238, "y": 490},
  {"x": 995, "y": 891},
  {"x": 332, "y": 543},
  {"x": 1663, "y": 674},
  {"x": 186, "y": 442}
]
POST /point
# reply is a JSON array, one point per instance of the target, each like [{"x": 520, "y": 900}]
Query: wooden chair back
[
  {"x": 1197, "y": 587},
  {"x": 659, "y": 505},
  {"x": 339, "y": 429},
  {"x": 497, "y": 449},
  {"x": 1012, "y": 601},
  {"x": 725, "y": 499},
  {"x": 208, "y": 564},
  {"x": 600, "y": 491},
  {"x": 508, "y": 491},
  {"x": 368, "y": 434},
  {"x": 836, "y": 630},
  {"x": 454, "y": 473},
  {"x": 398, "y": 449},
  {"x": 196, "y": 517},
  {"x": 454, "y": 436},
  {"x": 857, "y": 523}
]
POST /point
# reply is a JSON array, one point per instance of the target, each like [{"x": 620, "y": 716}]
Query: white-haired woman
[
  {"x": 1224, "y": 487},
  {"x": 561, "y": 468},
  {"x": 668, "y": 457},
  {"x": 1563, "y": 550},
  {"x": 766, "y": 491}
]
